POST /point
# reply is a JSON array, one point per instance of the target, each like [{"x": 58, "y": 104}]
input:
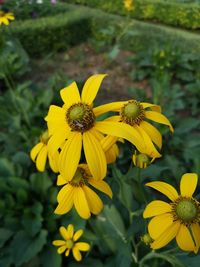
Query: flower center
[
  {"x": 69, "y": 243},
  {"x": 132, "y": 112},
  {"x": 186, "y": 210},
  {"x": 44, "y": 137},
  {"x": 80, "y": 117},
  {"x": 80, "y": 177}
]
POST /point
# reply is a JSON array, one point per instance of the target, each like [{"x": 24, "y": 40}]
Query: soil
[{"x": 79, "y": 62}]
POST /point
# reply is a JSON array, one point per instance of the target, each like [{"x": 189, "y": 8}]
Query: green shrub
[
  {"x": 55, "y": 33},
  {"x": 186, "y": 15}
]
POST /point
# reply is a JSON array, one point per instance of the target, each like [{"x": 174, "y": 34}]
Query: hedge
[
  {"x": 54, "y": 33},
  {"x": 185, "y": 15}
]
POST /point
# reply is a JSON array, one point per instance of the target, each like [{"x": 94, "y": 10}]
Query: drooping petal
[
  {"x": 101, "y": 186},
  {"x": 70, "y": 156},
  {"x": 159, "y": 224},
  {"x": 53, "y": 161},
  {"x": 76, "y": 254},
  {"x": 112, "y": 154},
  {"x": 94, "y": 154},
  {"x": 64, "y": 233},
  {"x": 60, "y": 250},
  {"x": 153, "y": 133},
  {"x": 59, "y": 243},
  {"x": 94, "y": 202},
  {"x": 122, "y": 130},
  {"x": 188, "y": 184},
  {"x": 70, "y": 230},
  {"x": 91, "y": 88},
  {"x": 115, "y": 106},
  {"x": 65, "y": 200},
  {"x": 35, "y": 150},
  {"x": 151, "y": 106},
  {"x": 184, "y": 239},
  {"x": 155, "y": 208},
  {"x": 41, "y": 159},
  {"x": 77, "y": 235},
  {"x": 61, "y": 180},
  {"x": 165, "y": 189},
  {"x": 80, "y": 203},
  {"x": 166, "y": 236},
  {"x": 108, "y": 141},
  {"x": 56, "y": 141},
  {"x": 196, "y": 234},
  {"x": 82, "y": 246},
  {"x": 158, "y": 117},
  {"x": 70, "y": 95},
  {"x": 67, "y": 252}
]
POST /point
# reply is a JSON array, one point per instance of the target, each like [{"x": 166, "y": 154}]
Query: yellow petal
[
  {"x": 61, "y": 249},
  {"x": 70, "y": 230},
  {"x": 67, "y": 252},
  {"x": 94, "y": 202},
  {"x": 80, "y": 203},
  {"x": 61, "y": 180},
  {"x": 77, "y": 235},
  {"x": 108, "y": 141},
  {"x": 166, "y": 236},
  {"x": 151, "y": 106},
  {"x": 70, "y": 156},
  {"x": 76, "y": 254},
  {"x": 122, "y": 130},
  {"x": 35, "y": 150},
  {"x": 64, "y": 233},
  {"x": 55, "y": 113},
  {"x": 91, "y": 88},
  {"x": 70, "y": 95},
  {"x": 41, "y": 159},
  {"x": 184, "y": 239},
  {"x": 59, "y": 243},
  {"x": 150, "y": 149},
  {"x": 153, "y": 133},
  {"x": 101, "y": 186},
  {"x": 82, "y": 246},
  {"x": 65, "y": 199},
  {"x": 188, "y": 184},
  {"x": 53, "y": 161},
  {"x": 112, "y": 154},
  {"x": 115, "y": 106},
  {"x": 94, "y": 154},
  {"x": 155, "y": 208},
  {"x": 196, "y": 234},
  {"x": 158, "y": 117},
  {"x": 165, "y": 189},
  {"x": 56, "y": 141},
  {"x": 159, "y": 224}
]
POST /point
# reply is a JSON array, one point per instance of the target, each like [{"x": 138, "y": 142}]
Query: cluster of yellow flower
[
  {"x": 6, "y": 17},
  {"x": 76, "y": 132}
]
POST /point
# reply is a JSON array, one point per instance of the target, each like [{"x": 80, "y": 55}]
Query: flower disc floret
[
  {"x": 80, "y": 117},
  {"x": 79, "y": 178},
  {"x": 132, "y": 113}
]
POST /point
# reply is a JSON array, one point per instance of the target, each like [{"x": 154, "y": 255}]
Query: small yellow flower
[
  {"x": 78, "y": 193},
  {"x": 132, "y": 117},
  {"x": 6, "y": 17},
  {"x": 128, "y": 4},
  {"x": 40, "y": 152},
  {"x": 179, "y": 219},
  {"x": 70, "y": 242},
  {"x": 146, "y": 239},
  {"x": 142, "y": 161}
]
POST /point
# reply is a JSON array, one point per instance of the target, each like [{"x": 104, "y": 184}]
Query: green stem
[{"x": 141, "y": 188}]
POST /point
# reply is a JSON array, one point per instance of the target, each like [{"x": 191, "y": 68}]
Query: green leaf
[
  {"x": 24, "y": 248},
  {"x": 50, "y": 258},
  {"x": 40, "y": 183},
  {"x": 6, "y": 168},
  {"x": 5, "y": 234}
]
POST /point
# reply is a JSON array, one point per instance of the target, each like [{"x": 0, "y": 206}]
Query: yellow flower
[
  {"x": 40, "y": 152},
  {"x": 141, "y": 160},
  {"x": 133, "y": 115},
  {"x": 128, "y": 4},
  {"x": 179, "y": 219},
  {"x": 5, "y": 17},
  {"x": 78, "y": 193},
  {"x": 74, "y": 126},
  {"x": 70, "y": 242}
]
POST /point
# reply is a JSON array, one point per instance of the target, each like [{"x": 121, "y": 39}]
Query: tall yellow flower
[
  {"x": 6, "y": 17},
  {"x": 70, "y": 242},
  {"x": 74, "y": 126},
  {"x": 39, "y": 154},
  {"x": 134, "y": 115},
  {"x": 78, "y": 193},
  {"x": 179, "y": 219},
  {"x": 128, "y": 4}
]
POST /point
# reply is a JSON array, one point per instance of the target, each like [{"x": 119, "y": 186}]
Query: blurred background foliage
[{"x": 161, "y": 65}]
